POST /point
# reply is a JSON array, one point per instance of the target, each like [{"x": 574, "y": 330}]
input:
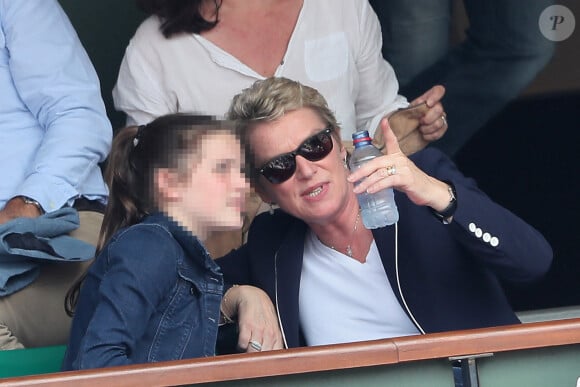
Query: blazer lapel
[
  {"x": 288, "y": 269},
  {"x": 385, "y": 241}
]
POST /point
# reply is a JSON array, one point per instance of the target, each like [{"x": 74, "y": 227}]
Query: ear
[
  {"x": 167, "y": 185},
  {"x": 266, "y": 198},
  {"x": 342, "y": 151}
]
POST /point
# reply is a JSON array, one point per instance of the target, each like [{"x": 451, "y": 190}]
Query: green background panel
[
  {"x": 432, "y": 373},
  {"x": 105, "y": 28},
  {"x": 545, "y": 367}
]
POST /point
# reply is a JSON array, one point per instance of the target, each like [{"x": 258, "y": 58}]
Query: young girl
[{"x": 154, "y": 293}]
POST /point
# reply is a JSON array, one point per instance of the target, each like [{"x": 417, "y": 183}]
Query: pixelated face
[
  {"x": 317, "y": 190},
  {"x": 212, "y": 195}
]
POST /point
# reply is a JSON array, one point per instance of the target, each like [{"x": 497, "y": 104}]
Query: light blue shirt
[{"x": 53, "y": 126}]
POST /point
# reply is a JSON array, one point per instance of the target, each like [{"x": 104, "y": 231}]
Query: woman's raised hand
[{"x": 395, "y": 170}]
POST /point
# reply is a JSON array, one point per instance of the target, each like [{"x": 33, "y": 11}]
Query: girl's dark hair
[
  {"x": 136, "y": 153},
  {"x": 179, "y": 16}
]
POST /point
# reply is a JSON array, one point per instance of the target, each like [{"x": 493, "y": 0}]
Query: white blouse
[
  {"x": 342, "y": 300},
  {"x": 335, "y": 48}
]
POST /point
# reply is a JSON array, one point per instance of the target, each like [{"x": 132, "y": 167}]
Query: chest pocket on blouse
[{"x": 326, "y": 58}]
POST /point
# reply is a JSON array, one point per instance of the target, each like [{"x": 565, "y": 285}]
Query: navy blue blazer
[{"x": 448, "y": 275}]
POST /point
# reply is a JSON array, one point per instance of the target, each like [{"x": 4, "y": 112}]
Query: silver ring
[
  {"x": 444, "y": 119},
  {"x": 391, "y": 170},
  {"x": 255, "y": 345}
]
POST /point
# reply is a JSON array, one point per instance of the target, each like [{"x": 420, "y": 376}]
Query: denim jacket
[
  {"x": 27, "y": 243},
  {"x": 153, "y": 294}
]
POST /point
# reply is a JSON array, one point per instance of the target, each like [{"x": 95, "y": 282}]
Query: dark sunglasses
[{"x": 281, "y": 168}]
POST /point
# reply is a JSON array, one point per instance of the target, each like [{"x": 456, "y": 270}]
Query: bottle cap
[{"x": 361, "y": 136}]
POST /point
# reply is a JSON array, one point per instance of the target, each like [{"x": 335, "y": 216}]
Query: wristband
[
  {"x": 444, "y": 215},
  {"x": 28, "y": 200}
]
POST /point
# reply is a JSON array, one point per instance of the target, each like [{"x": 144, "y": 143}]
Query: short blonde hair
[{"x": 268, "y": 100}]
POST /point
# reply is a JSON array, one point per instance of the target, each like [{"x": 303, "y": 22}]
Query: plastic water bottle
[{"x": 378, "y": 209}]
